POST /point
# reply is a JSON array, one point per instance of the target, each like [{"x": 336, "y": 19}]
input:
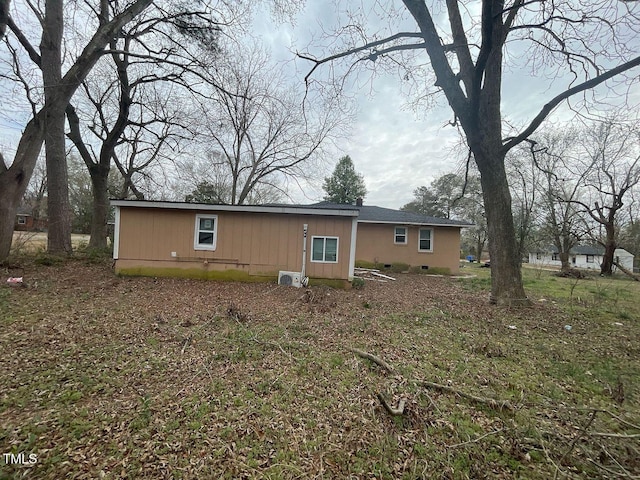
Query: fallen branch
[
  {"x": 627, "y": 272},
  {"x": 475, "y": 439},
  {"x": 499, "y": 405},
  {"x": 373, "y": 358},
  {"x": 399, "y": 410}
]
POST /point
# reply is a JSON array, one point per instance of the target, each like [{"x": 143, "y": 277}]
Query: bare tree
[
  {"x": 15, "y": 177},
  {"x": 559, "y": 185},
  {"x": 612, "y": 169},
  {"x": 258, "y": 127},
  {"x": 582, "y": 43}
]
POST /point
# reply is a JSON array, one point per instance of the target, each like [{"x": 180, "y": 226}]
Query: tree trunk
[
  {"x": 606, "y": 267},
  {"x": 506, "y": 275},
  {"x": 14, "y": 180},
  {"x": 564, "y": 261},
  {"x": 100, "y": 190},
  {"x": 59, "y": 210}
]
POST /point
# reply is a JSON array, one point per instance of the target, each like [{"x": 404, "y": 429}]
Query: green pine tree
[{"x": 345, "y": 185}]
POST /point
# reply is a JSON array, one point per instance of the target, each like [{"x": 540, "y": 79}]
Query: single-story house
[
  {"x": 390, "y": 236},
  {"x": 25, "y": 222},
  {"x": 580, "y": 256},
  {"x": 254, "y": 242}
]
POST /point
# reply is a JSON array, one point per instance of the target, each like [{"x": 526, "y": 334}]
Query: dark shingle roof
[{"x": 373, "y": 214}]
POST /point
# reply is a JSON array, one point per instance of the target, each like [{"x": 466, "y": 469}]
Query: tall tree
[
  {"x": 561, "y": 224},
  {"x": 345, "y": 185},
  {"x": 612, "y": 165},
  {"x": 130, "y": 105},
  {"x": 256, "y": 127},
  {"x": 15, "y": 177},
  {"x": 585, "y": 43},
  {"x": 58, "y": 207}
]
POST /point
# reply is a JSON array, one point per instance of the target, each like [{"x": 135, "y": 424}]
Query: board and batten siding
[
  {"x": 256, "y": 244},
  {"x": 375, "y": 243}
]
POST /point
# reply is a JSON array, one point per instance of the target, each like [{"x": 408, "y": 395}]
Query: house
[
  {"x": 26, "y": 222},
  {"x": 580, "y": 256},
  {"x": 256, "y": 242},
  {"x": 389, "y": 236}
]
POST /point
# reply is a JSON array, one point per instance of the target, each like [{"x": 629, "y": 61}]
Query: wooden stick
[
  {"x": 373, "y": 358},
  {"x": 500, "y": 405},
  {"x": 393, "y": 411}
]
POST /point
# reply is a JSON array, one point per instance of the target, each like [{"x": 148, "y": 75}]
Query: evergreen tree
[{"x": 345, "y": 185}]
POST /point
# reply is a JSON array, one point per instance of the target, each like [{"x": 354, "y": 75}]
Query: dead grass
[{"x": 108, "y": 377}]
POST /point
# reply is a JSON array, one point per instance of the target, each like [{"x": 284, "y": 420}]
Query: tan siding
[
  {"x": 375, "y": 243},
  {"x": 255, "y": 243}
]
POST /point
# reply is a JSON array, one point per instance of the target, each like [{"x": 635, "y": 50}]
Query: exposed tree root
[
  {"x": 378, "y": 361},
  {"x": 496, "y": 404},
  {"x": 399, "y": 410},
  {"x": 499, "y": 405}
]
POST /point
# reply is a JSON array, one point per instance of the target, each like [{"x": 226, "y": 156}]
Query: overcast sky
[{"x": 394, "y": 149}]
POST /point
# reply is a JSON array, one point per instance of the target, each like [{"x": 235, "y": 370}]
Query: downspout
[
  {"x": 303, "y": 273},
  {"x": 116, "y": 234}
]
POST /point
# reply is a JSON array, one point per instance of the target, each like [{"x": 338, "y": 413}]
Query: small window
[
  {"x": 206, "y": 232},
  {"x": 538, "y": 256},
  {"x": 400, "y": 235},
  {"x": 425, "y": 240},
  {"x": 22, "y": 220},
  {"x": 590, "y": 259},
  {"x": 555, "y": 257},
  {"x": 324, "y": 249}
]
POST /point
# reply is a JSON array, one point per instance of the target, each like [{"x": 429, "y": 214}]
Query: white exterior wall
[{"x": 545, "y": 260}]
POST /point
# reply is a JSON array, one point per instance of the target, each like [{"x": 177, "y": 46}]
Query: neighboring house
[
  {"x": 25, "y": 222},
  {"x": 580, "y": 256},
  {"x": 254, "y": 242}
]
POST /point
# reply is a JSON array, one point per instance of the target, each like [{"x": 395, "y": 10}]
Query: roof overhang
[
  {"x": 290, "y": 210},
  {"x": 420, "y": 224}
]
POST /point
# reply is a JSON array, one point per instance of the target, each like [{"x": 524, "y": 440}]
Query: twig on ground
[
  {"x": 581, "y": 434},
  {"x": 475, "y": 439},
  {"x": 500, "y": 405},
  {"x": 393, "y": 411},
  {"x": 378, "y": 361}
]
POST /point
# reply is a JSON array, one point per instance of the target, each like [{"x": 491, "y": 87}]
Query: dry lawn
[{"x": 108, "y": 377}]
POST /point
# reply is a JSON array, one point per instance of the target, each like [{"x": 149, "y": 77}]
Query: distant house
[
  {"x": 25, "y": 222},
  {"x": 580, "y": 256},
  {"x": 254, "y": 242}
]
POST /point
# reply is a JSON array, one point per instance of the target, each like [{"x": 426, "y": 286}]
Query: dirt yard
[{"x": 109, "y": 377}]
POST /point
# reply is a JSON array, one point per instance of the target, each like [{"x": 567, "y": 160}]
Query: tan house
[
  {"x": 251, "y": 242},
  {"x": 234, "y": 242},
  {"x": 387, "y": 236}
]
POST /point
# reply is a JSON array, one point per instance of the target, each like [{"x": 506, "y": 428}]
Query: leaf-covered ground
[{"x": 108, "y": 377}]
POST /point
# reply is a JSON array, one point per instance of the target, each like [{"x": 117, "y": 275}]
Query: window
[
  {"x": 590, "y": 259},
  {"x": 22, "y": 220},
  {"x": 324, "y": 249},
  {"x": 425, "y": 240},
  {"x": 555, "y": 257},
  {"x": 400, "y": 235},
  {"x": 206, "y": 232},
  {"x": 538, "y": 256}
]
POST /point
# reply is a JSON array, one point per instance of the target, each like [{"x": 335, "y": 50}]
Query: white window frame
[
  {"x": 196, "y": 234},
  {"x": 396, "y": 235},
  {"x": 430, "y": 240},
  {"x": 324, "y": 248},
  {"x": 590, "y": 258},
  {"x": 22, "y": 220}
]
